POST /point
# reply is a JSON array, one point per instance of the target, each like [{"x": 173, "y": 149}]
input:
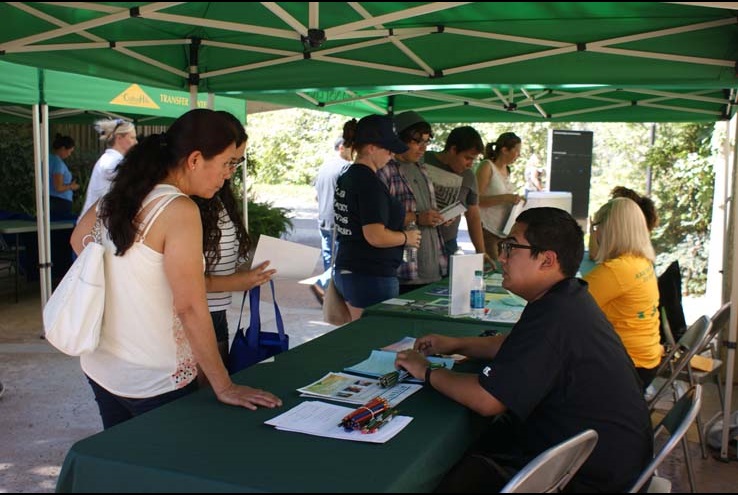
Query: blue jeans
[
  {"x": 361, "y": 291},
  {"x": 326, "y": 246},
  {"x": 115, "y": 409}
]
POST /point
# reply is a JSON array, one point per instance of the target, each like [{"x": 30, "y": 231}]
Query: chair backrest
[
  {"x": 689, "y": 344},
  {"x": 720, "y": 321},
  {"x": 676, "y": 423},
  {"x": 552, "y": 469},
  {"x": 670, "y": 298}
]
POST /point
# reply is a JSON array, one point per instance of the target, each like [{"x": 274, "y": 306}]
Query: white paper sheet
[
  {"x": 322, "y": 419},
  {"x": 290, "y": 259}
]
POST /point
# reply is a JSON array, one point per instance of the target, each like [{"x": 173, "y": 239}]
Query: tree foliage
[
  {"x": 683, "y": 188},
  {"x": 288, "y": 146},
  {"x": 17, "y": 189}
]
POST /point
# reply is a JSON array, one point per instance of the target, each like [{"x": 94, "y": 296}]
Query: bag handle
[{"x": 255, "y": 317}]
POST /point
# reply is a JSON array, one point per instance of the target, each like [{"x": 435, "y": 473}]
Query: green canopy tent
[
  {"x": 27, "y": 92},
  {"x": 633, "y": 61},
  {"x": 531, "y": 103},
  {"x": 548, "y": 61}
]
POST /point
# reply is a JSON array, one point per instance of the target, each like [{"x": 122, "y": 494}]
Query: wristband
[
  {"x": 428, "y": 371},
  {"x": 405, "y": 234}
]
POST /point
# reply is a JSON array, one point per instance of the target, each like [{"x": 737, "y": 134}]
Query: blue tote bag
[{"x": 253, "y": 346}]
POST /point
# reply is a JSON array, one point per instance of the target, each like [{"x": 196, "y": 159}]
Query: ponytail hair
[
  {"x": 507, "y": 140},
  {"x": 149, "y": 163},
  {"x": 109, "y": 128}
]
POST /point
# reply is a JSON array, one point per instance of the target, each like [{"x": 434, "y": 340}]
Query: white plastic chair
[{"x": 552, "y": 469}]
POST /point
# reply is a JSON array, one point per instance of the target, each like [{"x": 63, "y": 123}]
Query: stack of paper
[{"x": 322, "y": 419}]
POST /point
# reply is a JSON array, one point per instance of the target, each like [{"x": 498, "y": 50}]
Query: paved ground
[{"x": 47, "y": 405}]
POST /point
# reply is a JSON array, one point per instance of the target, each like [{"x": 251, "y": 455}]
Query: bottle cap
[{"x": 478, "y": 273}]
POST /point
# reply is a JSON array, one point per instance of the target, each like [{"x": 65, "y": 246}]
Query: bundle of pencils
[
  {"x": 392, "y": 378},
  {"x": 368, "y": 417}
]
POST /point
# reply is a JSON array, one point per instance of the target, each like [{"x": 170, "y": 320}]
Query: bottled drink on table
[
  {"x": 410, "y": 254},
  {"x": 477, "y": 295}
]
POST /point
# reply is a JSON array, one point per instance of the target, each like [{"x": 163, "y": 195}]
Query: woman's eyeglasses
[
  {"x": 506, "y": 247},
  {"x": 236, "y": 162}
]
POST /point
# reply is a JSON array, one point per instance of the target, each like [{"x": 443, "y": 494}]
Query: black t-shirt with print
[{"x": 362, "y": 199}]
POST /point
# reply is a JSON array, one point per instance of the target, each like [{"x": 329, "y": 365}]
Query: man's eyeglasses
[
  {"x": 506, "y": 247},
  {"x": 420, "y": 141}
]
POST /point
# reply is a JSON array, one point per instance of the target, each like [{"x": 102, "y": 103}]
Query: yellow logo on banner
[{"x": 134, "y": 96}]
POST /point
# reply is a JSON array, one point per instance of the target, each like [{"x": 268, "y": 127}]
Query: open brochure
[
  {"x": 353, "y": 389},
  {"x": 446, "y": 185},
  {"x": 322, "y": 419},
  {"x": 407, "y": 343},
  {"x": 380, "y": 363}
]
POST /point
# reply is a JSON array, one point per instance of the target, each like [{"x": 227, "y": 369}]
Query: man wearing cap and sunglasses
[{"x": 407, "y": 180}]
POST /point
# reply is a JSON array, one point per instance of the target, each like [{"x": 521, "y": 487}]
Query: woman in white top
[
  {"x": 496, "y": 196},
  {"x": 119, "y": 136},
  {"x": 226, "y": 245},
  {"x": 157, "y": 328}
]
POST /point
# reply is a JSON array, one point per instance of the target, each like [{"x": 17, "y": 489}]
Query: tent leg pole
[{"x": 731, "y": 338}]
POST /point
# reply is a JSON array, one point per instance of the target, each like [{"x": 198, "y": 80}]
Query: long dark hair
[
  {"x": 507, "y": 140},
  {"x": 210, "y": 211},
  {"x": 149, "y": 163}
]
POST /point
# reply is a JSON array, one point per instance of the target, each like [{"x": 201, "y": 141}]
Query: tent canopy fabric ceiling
[
  {"x": 78, "y": 98},
  {"x": 536, "y": 61}
]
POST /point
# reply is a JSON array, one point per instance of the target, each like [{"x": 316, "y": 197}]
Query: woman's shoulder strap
[{"x": 167, "y": 194}]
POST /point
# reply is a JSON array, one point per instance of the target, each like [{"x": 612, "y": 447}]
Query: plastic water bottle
[
  {"x": 410, "y": 254},
  {"x": 477, "y": 295}
]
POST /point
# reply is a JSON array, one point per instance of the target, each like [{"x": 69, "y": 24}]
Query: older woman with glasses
[
  {"x": 624, "y": 284},
  {"x": 119, "y": 136},
  {"x": 226, "y": 246}
]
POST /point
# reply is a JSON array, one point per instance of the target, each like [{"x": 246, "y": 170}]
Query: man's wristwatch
[{"x": 428, "y": 371}]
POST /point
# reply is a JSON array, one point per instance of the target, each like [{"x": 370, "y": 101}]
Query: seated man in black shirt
[{"x": 561, "y": 370}]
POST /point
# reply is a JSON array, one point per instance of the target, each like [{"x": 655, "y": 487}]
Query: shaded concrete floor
[{"x": 47, "y": 405}]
